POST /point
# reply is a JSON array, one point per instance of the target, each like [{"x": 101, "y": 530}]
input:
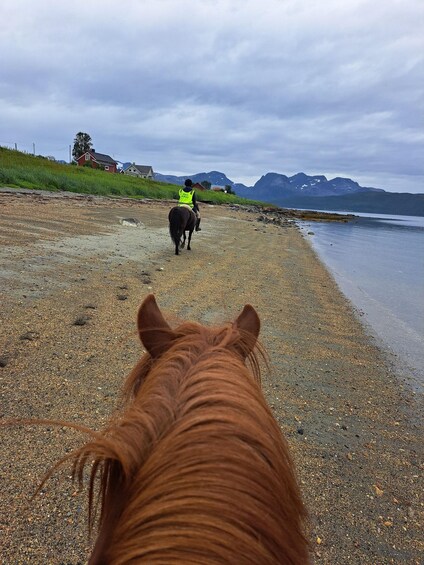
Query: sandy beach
[{"x": 72, "y": 274}]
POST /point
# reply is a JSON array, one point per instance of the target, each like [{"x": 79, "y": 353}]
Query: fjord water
[{"x": 378, "y": 262}]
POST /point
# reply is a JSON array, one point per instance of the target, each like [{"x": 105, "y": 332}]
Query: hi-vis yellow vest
[{"x": 186, "y": 197}]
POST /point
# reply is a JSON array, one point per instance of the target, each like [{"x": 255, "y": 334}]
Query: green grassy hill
[{"x": 20, "y": 170}]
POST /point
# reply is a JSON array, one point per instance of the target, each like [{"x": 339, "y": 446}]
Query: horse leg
[
  {"x": 184, "y": 240},
  {"x": 189, "y": 240}
]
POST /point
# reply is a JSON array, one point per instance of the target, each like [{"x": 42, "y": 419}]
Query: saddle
[
  {"x": 191, "y": 210},
  {"x": 186, "y": 206}
]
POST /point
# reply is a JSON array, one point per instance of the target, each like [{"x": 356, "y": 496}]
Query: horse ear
[
  {"x": 249, "y": 325},
  {"x": 155, "y": 333}
]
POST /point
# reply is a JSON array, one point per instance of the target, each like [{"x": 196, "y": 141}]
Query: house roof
[
  {"x": 144, "y": 169},
  {"x": 102, "y": 158}
]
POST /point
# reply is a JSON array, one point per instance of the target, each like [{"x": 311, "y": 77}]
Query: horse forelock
[{"x": 192, "y": 341}]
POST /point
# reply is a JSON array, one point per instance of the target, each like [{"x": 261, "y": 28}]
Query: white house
[{"x": 142, "y": 171}]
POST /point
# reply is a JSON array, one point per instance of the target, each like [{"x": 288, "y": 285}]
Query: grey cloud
[{"x": 278, "y": 86}]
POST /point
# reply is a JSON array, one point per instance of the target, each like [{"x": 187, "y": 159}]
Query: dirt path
[{"x": 71, "y": 279}]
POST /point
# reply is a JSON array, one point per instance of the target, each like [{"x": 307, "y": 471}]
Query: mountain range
[
  {"x": 214, "y": 177},
  {"x": 316, "y": 192}
]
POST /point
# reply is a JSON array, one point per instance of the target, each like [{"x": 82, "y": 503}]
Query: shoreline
[
  {"x": 353, "y": 429},
  {"x": 398, "y": 336}
]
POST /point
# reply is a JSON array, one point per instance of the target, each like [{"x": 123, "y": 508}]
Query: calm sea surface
[{"x": 378, "y": 263}]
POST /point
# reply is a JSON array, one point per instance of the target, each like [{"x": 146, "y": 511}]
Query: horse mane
[{"x": 194, "y": 468}]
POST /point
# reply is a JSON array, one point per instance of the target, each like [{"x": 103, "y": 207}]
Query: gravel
[{"x": 353, "y": 425}]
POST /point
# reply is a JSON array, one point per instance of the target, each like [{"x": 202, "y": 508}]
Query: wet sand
[{"x": 71, "y": 279}]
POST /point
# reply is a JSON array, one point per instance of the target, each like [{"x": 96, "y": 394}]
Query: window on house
[{"x": 87, "y": 157}]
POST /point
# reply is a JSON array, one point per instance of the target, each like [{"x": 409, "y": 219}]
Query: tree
[
  {"x": 206, "y": 184},
  {"x": 228, "y": 189},
  {"x": 82, "y": 144}
]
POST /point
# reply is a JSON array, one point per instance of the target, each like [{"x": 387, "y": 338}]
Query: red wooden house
[
  {"x": 198, "y": 186},
  {"x": 98, "y": 160}
]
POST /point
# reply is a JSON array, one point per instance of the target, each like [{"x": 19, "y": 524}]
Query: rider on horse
[{"x": 188, "y": 198}]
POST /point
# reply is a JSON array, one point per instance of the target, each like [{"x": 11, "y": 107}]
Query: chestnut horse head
[{"x": 194, "y": 469}]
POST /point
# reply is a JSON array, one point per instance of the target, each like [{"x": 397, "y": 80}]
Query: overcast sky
[{"x": 245, "y": 87}]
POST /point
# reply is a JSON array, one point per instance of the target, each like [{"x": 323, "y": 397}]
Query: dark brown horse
[
  {"x": 194, "y": 469},
  {"x": 181, "y": 220}
]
